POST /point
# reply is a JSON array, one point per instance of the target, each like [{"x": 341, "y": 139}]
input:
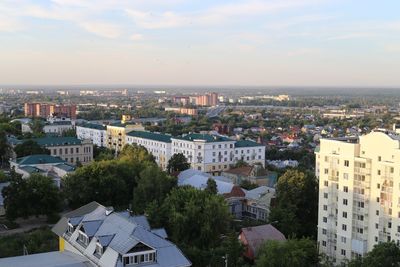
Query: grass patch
[{"x": 36, "y": 241}]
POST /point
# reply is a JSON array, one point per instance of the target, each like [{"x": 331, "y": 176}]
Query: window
[
  {"x": 324, "y": 243},
  {"x": 343, "y": 252},
  {"x": 346, "y": 163},
  {"x": 325, "y": 207},
  {"x": 377, "y": 226},
  {"x": 345, "y": 189},
  {"x": 344, "y": 214},
  {"x": 325, "y": 195},
  {"x": 378, "y": 186},
  {"x": 324, "y": 231},
  {"x": 70, "y": 229},
  {"x": 345, "y": 201},
  {"x": 379, "y": 158},
  {"x": 326, "y": 171},
  {"x": 377, "y": 212},
  {"x": 324, "y": 219},
  {"x": 325, "y": 183},
  {"x": 377, "y": 199},
  {"x": 344, "y": 227},
  {"x": 343, "y": 239},
  {"x": 139, "y": 258},
  {"x": 345, "y": 176},
  {"x": 379, "y": 172},
  {"x": 83, "y": 238},
  {"x": 99, "y": 249}
]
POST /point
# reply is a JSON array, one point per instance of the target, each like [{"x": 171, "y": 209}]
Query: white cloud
[
  {"x": 354, "y": 35},
  {"x": 8, "y": 24},
  {"x": 148, "y": 20},
  {"x": 136, "y": 37},
  {"x": 102, "y": 29}
]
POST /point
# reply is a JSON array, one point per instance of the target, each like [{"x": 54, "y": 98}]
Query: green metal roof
[
  {"x": 246, "y": 143},
  {"x": 93, "y": 126},
  {"x": 57, "y": 141},
  {"x": 206, "y": 137},
  {"x": 38, "y": 159},
  {"x": 152, "y": 136},
  {"x": 31, "y": 169},
  {"x": 66, "y": 167}
]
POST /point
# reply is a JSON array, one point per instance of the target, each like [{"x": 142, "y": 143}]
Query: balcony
[{"x": 333, "y": 178}]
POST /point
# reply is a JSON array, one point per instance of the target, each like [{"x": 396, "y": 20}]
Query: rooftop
[
  {"x": 38, "y": 159},
  {"x": 93, "y": 126},
  {"x": 246, "y": 143},
  {"x": 57, "y": 141},
  {"x": 208, "y": 138},
  {"x": 257, "y": 235},
  {"x": 49, "y": 259},
  {"x": 152, "y": 136}
]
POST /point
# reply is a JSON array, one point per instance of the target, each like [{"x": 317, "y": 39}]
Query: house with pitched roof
[
  {"x": 94, "y": 235},
  {"x": 253, "y": 237}
]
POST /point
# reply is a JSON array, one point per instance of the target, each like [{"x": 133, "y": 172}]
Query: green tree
[
  {"x": 153, "y": 185},
  {"x": 37, "y": 127},
  {"x": 241, "y": 163},
  {"x": 383, "y": 254},
  {"x": 234, "y": 250},
  {"x": 246, "y": 184},
  {"x": 195, "y": 217},
  {"x": 5, "y": 149},
  {"x": 177, "y": 163},
  {"x": 29, "y": 147},
  {"x": 211, "y": 186},
  {"x": 102, "y": 153},
  {"x": 290, "y": 253},
  {"x": 296, "y": 204},
  {"x": 103, "y": 181},
  {"x": 37, "y": 195},
  {"x": 135, "y": 153}
]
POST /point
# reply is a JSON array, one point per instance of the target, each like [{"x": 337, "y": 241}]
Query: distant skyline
[{"x": 183, "y": 42}]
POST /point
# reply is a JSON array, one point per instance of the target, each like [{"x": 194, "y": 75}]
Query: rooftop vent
[{"x": 109, "y": 210}]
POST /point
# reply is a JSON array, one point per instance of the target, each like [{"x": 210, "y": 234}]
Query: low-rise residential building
[
  {"x": 47, "y": 165},
  {"x": 254, "y": 204},
  {"x": 96, "y": 236},
  {"x": 92, "y": 131},
  {"x": 255, "y": 174},
  {"x": 253, "y": 237},
  {"x": 159, "y": 145},
  {"x": 70, "y": 149},
  {"x": 57, "y": 127}
]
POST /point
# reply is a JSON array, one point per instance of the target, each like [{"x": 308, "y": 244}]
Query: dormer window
[
  {"x": 139, "y": 254},
  {"x": 70, "y": 229},
  {"x": 83, "y": 239},
  {"x": 99, "y": 250}
]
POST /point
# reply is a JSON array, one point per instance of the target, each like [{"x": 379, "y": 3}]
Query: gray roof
[
  {"x": 257, "y": 235},
  {"x": 121, "y": 232},
  {"x": 49, "y": 259}
]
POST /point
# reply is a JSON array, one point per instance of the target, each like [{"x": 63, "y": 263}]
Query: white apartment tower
[{"x": 359, "y": 193}]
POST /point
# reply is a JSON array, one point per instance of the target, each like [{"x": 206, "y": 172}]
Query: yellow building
[{"x": 116, "y": 134}]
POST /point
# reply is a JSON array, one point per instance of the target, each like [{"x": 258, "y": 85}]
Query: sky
[{"x": 200, "y": 42}]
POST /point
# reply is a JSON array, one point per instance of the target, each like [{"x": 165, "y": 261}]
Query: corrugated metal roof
[{"x": 49, "y": 259}]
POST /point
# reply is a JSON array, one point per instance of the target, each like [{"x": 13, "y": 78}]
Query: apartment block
[
  {"x": 204, "y": 152},
  {"x": 359, "y": 193},
  {"x": 95, "y": 132},
  {"x": 46, "y": 110},
  {"x": 116, "y": 134}
]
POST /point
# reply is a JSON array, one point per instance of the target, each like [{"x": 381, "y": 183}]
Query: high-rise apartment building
[
  {"x": 359, "y": 193},
  {"x": 45, "y": 110},
  {"x": 209, "y": 99}
]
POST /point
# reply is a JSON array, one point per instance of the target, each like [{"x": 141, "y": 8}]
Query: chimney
[{"x": 109, "y": 210}]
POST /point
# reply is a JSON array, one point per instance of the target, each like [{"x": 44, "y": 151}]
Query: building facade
[
  {"x": 116, "y": 134},
  {"x": 159, "y": 145},
  {"x": 45, "y": 110},
  {"x": 95, "y": 132},
  {"x": 204, "y": 152},
  {"x": 359, "y": 189},
  {"x": 70, "y": 149}
]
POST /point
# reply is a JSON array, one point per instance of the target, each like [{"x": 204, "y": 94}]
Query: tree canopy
[
  {"x": 383, "y": 254},
  {"x": 29, "y": 147},
  {"x": 177, "y": 163},
  {"x": 37, "y": 195},
  {"x": 211, "y": 186},
  {"x": 296, "y": 209},
  {"x": 290, "y": 253}
]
